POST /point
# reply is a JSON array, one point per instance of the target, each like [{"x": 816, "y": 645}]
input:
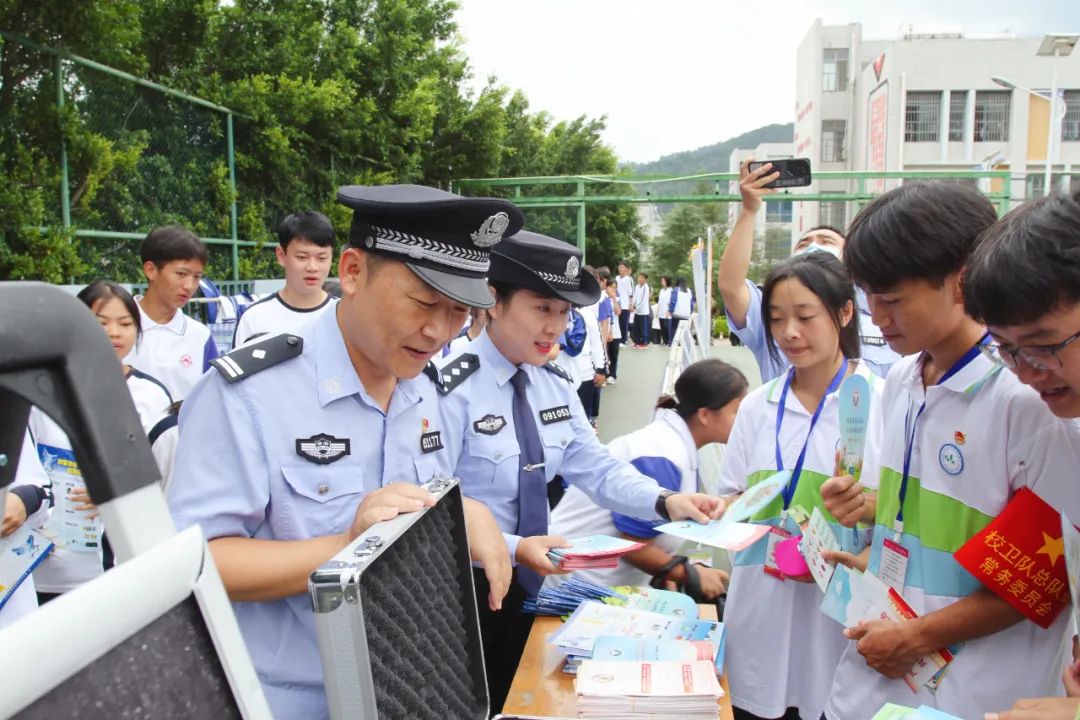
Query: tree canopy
[{"x": 325, "y": 93}]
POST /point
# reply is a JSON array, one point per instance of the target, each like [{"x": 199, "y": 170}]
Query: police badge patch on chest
[
  {"x": 489, "y": 424},
  {"x": 555, "y": 414},
  {"x": 322, "y": 449}
]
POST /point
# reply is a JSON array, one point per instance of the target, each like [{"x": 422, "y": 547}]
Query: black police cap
[
  {"x": 444, "y": 238},
  {"x": 544, "y": 265}
]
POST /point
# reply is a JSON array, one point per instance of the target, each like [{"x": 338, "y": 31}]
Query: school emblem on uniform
[
  {"x": 492, "y": 230},
  {"x": 555, "y": 414},
  {"x": 186, "y": 361},
  {"x": 431, "y": 441},
  {"x": 959, "y": 438},
  {"x": 573, "y": 268},
  {"x": 489, "y": 424},
  {"x": 322, "y": 449},
  {"x": 951, "y": 459}
]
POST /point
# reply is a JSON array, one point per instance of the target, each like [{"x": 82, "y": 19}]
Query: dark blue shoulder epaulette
[
  {"x": 250, "y": 359},
  {"x": 453, "y": 373}
]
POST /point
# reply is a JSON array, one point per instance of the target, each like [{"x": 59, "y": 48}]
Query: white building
[
  {"x": 928, "y": 102},
  {"x": 772, "y": 228}
]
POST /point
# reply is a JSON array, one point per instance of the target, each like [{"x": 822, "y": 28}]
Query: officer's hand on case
[
  {"x": 532, "y": 553},
  {"x": 386, "y": 504},
  {"x": 14, "y": 514},
  {"x": 695, "y": 506},
  {"x": 488, "y": 547}
]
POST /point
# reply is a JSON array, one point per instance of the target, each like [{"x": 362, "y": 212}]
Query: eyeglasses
[{"x": 1040, "y": 357}]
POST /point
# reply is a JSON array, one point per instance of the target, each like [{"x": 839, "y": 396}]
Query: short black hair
[
  {"x": 1026, "y": 264},
  {"x": 918, "y": 231},
  {"x": 710, "y": 383},
  {"x": 623, "y": 263},
  {"x": 643, "y": 274},
  {"x": 172, "y": 242},
  {"x": 309, "y": 225},
  {"x": 826, "y": 277},
  {"x": 107, "y": 290}
]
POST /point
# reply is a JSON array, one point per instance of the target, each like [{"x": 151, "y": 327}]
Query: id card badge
[
  {"x": 894, "y": 561},
  {"x": 776, "y": 536}
]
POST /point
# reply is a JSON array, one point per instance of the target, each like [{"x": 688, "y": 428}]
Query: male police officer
[{"x": 300, "y": 442}]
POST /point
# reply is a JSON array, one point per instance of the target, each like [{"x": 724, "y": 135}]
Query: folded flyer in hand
[
  {"x": 718, "y": 533},
  {"x": 594, "y": 551},
  {"x": 20, "y": 553}
]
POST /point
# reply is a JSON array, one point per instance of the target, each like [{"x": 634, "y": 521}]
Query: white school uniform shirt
[
  {"x": 663, "y": 301},
  {"x": 29, "y": 472},
  {"x": 787, "y": 649},
  {"x": 684, "y": 304},
  {"x": 273, "y": 316},
  {"x": 176, "y": 353},
  {"x": 66, "y": 568},
  {"x": 982, "y": 437},
  {"x": 624, "y": 287},
  {"x": 592, "y": 358},
  {"x": 641, "y": 296},
  {"x": 663, "y": 450}
]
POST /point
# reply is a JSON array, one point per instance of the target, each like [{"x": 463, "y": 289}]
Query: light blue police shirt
[
  {"x": 488, "y": 458},
  {"x": 876, "y": 353},
  {"x": 241, "y": 471}
]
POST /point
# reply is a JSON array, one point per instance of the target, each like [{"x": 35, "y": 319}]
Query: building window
[
  {"x": 832, "y": 140},
  {"x": 1036, "y": 185},
  {"x": 922, "y": 117},
  {"x": 957, "y": 112},
  {"x": 835, "y": 70},
  {"x": 992, "y": 115},
  {"x": 1070, "y": 125},
  {"x": 778, "y": 212},
  {"x": 834, "y": 213}
]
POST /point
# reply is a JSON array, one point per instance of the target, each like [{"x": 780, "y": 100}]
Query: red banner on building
[{"x": 1019, "y": 556}]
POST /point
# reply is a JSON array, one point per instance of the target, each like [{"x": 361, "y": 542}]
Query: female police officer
[{"x": 518, "y": 422}]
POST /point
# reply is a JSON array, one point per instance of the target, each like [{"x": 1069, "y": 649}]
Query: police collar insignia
[
  {"x": 322, "y": 449},
  {"x": 573, "y": 268},
  {"x": 555, "y": 414},
  {"x": 489, "y": 424},
  {"x": 431, "y": 441},
  {"x": 492, "y": 230}
]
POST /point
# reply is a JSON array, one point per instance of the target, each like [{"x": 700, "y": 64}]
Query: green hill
[{"x": 713, "y": 158}]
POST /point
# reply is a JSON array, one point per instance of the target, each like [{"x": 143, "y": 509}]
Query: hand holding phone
[{"x": 794, "y": 172}]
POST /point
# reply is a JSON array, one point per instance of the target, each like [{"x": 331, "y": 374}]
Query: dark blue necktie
[{"x": 532, "y": 478}]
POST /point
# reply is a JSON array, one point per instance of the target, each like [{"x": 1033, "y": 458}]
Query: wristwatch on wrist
[{"x": 661, "y": 503}]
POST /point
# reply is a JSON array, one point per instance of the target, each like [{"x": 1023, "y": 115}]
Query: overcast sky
[{"x": 679, "y": 74}]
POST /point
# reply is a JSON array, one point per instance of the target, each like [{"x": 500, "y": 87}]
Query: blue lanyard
[
  {"x": 911, "y": 427},
  {"x": 793, "y": 483}
]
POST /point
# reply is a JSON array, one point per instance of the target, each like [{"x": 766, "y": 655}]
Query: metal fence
[{"x": 170, "y": 160}]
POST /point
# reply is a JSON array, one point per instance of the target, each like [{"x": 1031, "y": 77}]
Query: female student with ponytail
[
  {"x": 787, "y": 648},
  {"x": 702, "y": 411}
]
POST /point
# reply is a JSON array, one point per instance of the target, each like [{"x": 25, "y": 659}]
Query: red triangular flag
[
  {"x": 1020, "y": 556},
  {"x": 878, "y": 65}
]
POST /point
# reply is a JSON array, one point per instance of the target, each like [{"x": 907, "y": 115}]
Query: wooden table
[{"x": 540, "y": 686}]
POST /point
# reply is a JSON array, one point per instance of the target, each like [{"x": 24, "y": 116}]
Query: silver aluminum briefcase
[{"x": 395, "y": 613}]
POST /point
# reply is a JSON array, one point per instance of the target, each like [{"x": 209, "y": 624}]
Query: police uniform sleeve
[
  {"x": 667, "y": 476},
  {"x": 220, "y": 476},
  {"x": 608, "y": 481}
]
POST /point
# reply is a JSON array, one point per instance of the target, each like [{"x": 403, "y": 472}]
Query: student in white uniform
[
  {"x": 305, "y": 250},
  {"x": 786, "y": 647},
  {"x": 702, "y": 411},
  {"x": 74, "y": 523},
  {"x": 1023, "y": 281},
  {"x": 663, "y": 305},
  {"x": 172, "y": 347},
  {"x": 742, "y": 298},
  {"x": 615, "y": 315},
  {"x": 960, "y": 437},
  {"x": 624, "y": 289},
  {"x": 682, "y": 304},
  {"x": 639, "y": 306},
  {"x": 26, "y": 502}
]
